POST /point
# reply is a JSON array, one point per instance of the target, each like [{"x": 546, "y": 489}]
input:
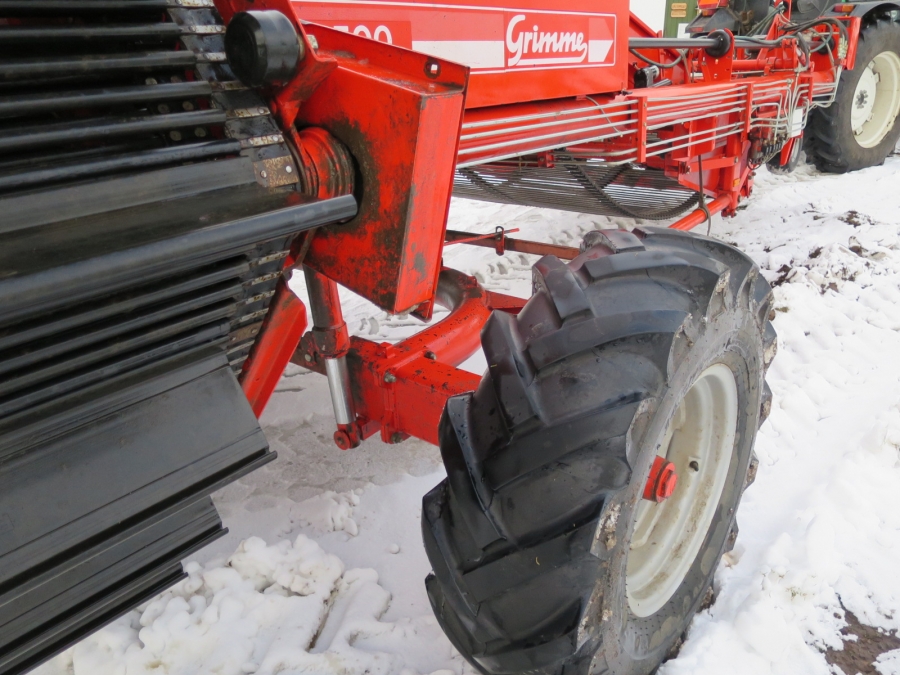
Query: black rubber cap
[
  {"x": 725, "y": 43},
  {"x": 262, "y": 47}
]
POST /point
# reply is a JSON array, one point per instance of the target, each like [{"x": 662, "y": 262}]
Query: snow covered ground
[{"x": 322, "y": 570}]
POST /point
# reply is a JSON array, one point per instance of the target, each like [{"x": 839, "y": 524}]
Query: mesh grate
[{"x": 572, "y": 184}]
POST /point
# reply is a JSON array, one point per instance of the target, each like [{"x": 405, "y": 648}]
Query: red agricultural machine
[{"x": 166, "y": 164}]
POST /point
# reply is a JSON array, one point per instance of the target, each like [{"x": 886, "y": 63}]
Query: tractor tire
[
  {"x": 860, "y": 127},
  {"x": 532, "y": 534}
]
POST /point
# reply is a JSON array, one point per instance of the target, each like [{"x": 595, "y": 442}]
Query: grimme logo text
[{"x": 538, "y": 46}]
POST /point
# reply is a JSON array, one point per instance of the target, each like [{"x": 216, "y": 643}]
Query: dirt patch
[
  {"x": 856, "y": 219},
  {"x": 783, "y": 273},
  {"x": 862, "y": 646}
]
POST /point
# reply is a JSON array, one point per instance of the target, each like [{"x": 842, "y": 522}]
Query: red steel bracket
[{"x": 401, "y": 389}]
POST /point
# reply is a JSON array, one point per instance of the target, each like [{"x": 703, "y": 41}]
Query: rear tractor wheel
[
  {"x": 593, "y": 477},
  {"x": 860, "y": 128}
]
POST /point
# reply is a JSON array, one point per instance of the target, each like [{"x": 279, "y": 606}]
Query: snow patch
[
  {"x": 328, "y": 512},
  {"x": 284, "y": 608}
]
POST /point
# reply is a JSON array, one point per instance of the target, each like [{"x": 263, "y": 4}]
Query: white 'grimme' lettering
[{"x": 537, "y": 43}]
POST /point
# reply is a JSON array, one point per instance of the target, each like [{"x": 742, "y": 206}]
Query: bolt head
[{"x": 342, "y": 439}]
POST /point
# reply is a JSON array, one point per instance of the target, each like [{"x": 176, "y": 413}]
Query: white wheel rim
[
  {"x": 699, "y": 441},
  {"x": 876, "y": 101}
]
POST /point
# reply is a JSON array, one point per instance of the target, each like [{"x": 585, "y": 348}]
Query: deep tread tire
[
  {"x": 529, "y": 534},
  {"x": 832, "y": 145}
]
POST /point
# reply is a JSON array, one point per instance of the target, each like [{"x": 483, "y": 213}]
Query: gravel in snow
[{"x": 322, "y": 570}]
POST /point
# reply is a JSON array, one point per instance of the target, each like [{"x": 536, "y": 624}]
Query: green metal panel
[{"x": 679, "y": 14}]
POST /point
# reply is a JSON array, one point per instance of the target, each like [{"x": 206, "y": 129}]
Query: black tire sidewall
[
  {"x": 642, "y": 643},
  {"x": 879, "y": 37}
]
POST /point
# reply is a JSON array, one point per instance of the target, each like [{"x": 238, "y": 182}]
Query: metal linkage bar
[{"x": 501, "y": 243}]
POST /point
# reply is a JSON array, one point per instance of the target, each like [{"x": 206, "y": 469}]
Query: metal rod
[
  {"x": 699, "y": 43},
  {"x": 339, "y": 386},
  {"x": 555, "y": 113},
  {"x": 517, "y": 245},
  {"x": 332, "y": 339},
  {"x": 671, "y": 43},
  {"x": 577, "y": 132},
  {"x": 541, "y": 125}
]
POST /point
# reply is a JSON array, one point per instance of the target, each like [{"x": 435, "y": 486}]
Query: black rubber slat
[
  {"x": 20, "y": 296},
  {"x": 29, "y": 104}
]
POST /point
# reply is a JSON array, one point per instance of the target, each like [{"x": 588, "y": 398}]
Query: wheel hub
[
  {"x": 661, "y": 482},
  {"x": 876, "y": 101},
  {"x": 683, "y": 491}
]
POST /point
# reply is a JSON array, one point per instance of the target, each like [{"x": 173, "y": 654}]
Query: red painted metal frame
[
  {"x": 281, "y": 332},
  {"x": 398, "y": 112},
  {"x": 410, "y": 119},
  {"x": 400, "y": 390}
]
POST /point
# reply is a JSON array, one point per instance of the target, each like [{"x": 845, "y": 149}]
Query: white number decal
[{"x": 382, "y": 33}]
